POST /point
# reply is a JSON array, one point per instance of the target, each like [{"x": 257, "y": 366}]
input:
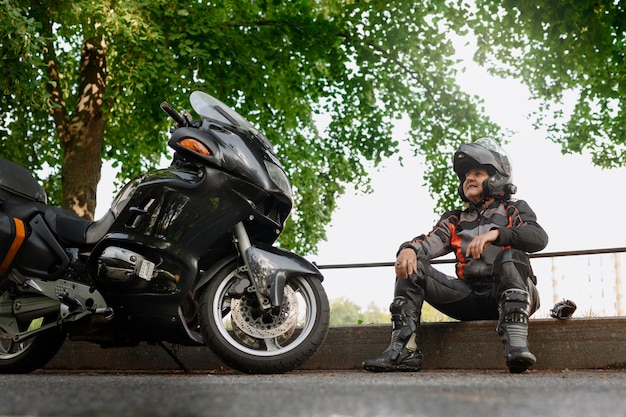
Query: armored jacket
[{"x": 514, "y": 219}]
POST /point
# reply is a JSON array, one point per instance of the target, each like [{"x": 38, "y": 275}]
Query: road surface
[{"x": 336, "y": 394}]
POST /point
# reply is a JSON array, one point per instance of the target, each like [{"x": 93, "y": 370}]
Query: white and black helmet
[{"x": 488, "y": 154}]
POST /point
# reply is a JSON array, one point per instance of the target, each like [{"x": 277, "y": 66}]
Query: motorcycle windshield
[{"x": 214, "y": 110}]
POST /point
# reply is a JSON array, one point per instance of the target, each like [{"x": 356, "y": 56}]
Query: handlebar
[{"x": 167, "y": 108}]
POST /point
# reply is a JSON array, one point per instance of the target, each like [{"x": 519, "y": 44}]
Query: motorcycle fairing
[
  {"x": 234, "y": 152},
  {"x": 271, "y": 267},
  {"x": 179, "y": 215},
  {"x": 188, "y": 211}
]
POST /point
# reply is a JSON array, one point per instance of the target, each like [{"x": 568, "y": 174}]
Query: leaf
[{"x": 284, "y": 65}]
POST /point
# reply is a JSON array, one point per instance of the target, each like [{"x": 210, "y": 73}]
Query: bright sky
[{"x": 574, "y": 201}]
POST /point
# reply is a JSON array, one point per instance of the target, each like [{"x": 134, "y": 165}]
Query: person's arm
[
  {"x": 480, "y": 242},
  {"x": 524, "y": 233},
  {"x": 434, "y": 244}
]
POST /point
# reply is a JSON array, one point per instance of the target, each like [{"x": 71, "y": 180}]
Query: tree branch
[{"x": 53, "y": 86}]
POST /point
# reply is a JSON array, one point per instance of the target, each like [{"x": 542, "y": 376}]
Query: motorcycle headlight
[{"x": 278, "y": 176}]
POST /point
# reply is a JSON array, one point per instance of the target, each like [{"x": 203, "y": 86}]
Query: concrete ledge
[{"x": 585, "y": 343}]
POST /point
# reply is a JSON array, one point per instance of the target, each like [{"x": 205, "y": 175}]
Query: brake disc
[{"x": 282, "y": 325}]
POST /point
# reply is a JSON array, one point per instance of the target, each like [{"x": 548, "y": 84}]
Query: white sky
[{"x": 577, "y": 204}]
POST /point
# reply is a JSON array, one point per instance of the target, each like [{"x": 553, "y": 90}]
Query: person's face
[{"x": 473, "y": 184}]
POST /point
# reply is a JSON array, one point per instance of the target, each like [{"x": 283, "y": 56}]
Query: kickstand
[{"x": 173, "y": 355}]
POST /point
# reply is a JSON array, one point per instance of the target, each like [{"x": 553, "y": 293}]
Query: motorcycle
[{"x": 185, "y": 255}]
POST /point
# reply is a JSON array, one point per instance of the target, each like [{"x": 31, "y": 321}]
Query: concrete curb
[{"x": 581, "y": 343}]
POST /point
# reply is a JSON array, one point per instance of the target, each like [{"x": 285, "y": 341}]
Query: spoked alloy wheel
[
  {"x": 30, "y": 354},
  {"x": 250, "y": 340}
]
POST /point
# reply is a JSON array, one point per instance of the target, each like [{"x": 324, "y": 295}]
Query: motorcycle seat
[
  {"x": 66, "y": 225},
  {"x": 74, "y": 230}
]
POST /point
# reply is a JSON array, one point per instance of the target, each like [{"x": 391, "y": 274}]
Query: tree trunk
[{"x": 82, "y": 150}]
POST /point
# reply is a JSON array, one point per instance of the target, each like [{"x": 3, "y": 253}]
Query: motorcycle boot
[
  {"x": 402, "y": 353},
  {"x": 513, "y": 329}
]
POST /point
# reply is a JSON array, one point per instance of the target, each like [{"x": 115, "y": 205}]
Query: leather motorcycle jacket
[{"x": 514, "y": 219}]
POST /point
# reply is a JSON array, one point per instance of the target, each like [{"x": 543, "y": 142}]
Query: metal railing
[
  {"x": 594, "y": 282},
  {"x": 449, "y": 261}
]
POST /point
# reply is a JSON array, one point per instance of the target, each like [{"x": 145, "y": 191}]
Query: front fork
[
  {"x": 243, "y": 244},
  {"x": 269, "y": 268}
]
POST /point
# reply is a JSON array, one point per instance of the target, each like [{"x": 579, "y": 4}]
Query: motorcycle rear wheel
[
  {"x": 33, "y": 353},
  {"x": 248, "y": 340}
]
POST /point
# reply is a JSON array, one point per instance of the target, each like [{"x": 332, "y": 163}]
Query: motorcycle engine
[{"x": 119, "y": 265}]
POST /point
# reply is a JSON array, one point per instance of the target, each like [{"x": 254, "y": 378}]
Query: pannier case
[
  {"x": 12, "y": 235},
  {"x": 17, "y": 183}
]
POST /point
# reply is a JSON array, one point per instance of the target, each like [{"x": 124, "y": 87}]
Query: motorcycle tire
[
  {"x": 256, "y": 342},
  {"x": 30, "y": 354}
]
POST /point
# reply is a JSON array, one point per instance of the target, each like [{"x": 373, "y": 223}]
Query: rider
[{"x": 490, "y": 239}]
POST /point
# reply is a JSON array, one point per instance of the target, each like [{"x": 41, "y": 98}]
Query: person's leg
[
  {"x": 402, "y": 354},
  {"x": 459, "y": 299},
  {"x": 455, "y": 297},
  {"x": 518, "y": 299}
]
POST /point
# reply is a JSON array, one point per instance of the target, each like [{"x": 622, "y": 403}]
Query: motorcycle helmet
[{"x": 486, "y": 153}]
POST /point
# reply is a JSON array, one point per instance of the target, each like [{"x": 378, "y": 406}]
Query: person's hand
[
  {"x": 406, "y": 263},
  {"x": 480, "y": 242}
]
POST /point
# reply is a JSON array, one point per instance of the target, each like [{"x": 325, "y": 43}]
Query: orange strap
[{"x": 20, "y": 235}]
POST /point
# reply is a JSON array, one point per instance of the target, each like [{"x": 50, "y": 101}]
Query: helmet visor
[{"x": 484, "y": 153}]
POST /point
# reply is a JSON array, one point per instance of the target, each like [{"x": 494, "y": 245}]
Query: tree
[
  {"x": 561, "y": 49},
  {"x": 343, "y": 311},
  {"x": 374, "y": 315},
  {"x": 82, "y": 81},
  {"x": 432, "y": 315}
]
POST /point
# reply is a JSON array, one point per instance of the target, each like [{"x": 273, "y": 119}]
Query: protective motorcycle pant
[
  {"x": 515, "y": 305},
  {"x": 475, "y": 300}
]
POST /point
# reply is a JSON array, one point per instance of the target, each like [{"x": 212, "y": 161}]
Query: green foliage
[
  {"x": 564, "y": 49},
  {"x": 21, "y": 83},
  {"x": 431, "y": 315},
  {"x": 344, "y": 311},
  {"x": 284, "y": 65}
]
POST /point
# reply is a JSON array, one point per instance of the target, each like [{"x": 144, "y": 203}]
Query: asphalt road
[{"x": 332, "y": 394}]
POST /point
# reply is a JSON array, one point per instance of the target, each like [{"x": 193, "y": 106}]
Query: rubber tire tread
[
  {"x": 247, "y": 363},
  {"x": 42, "y": 349}
]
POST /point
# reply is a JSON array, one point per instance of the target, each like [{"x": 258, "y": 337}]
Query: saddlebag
[
  {"x": 12, "y": 235},
  {"x": 17, "y": 183}
]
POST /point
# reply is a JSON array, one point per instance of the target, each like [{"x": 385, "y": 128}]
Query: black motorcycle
[{"x": 185, "y": 256}]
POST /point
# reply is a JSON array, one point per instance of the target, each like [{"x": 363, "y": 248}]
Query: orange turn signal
[{"x": 195, "y": 146}]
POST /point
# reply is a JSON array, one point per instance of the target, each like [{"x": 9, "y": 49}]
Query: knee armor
[{"x": 511, "y": 269}]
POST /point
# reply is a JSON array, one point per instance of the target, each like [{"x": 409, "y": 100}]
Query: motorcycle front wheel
[{"x": 251, "y": 340}]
